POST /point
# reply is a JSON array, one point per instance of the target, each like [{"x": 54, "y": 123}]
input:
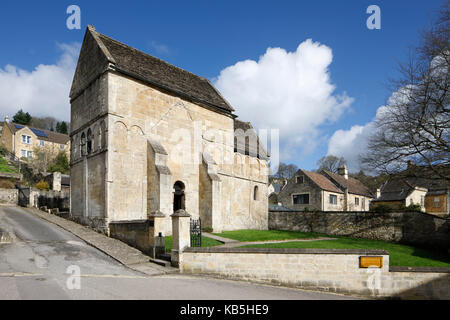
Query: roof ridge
[
  {"x": 147, "y": 54},
  {"x": 45, "y": 130}
]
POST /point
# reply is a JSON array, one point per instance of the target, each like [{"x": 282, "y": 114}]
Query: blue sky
[{"x": 206, "y": 37}]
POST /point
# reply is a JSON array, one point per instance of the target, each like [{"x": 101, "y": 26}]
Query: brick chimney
[{"x": 342, "y": 170}]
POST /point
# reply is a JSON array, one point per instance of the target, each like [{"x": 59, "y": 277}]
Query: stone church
[{"x": 149, "y": 138}]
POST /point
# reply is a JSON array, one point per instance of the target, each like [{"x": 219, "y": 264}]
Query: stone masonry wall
[
  {"x": 324, "y": 270},
  {"x": 410, "y": 227},
  {"x": 9, "y": 196}
]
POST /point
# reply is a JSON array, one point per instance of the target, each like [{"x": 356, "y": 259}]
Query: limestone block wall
[
  {"x": 135, "y": 233},
  {"x": 9, "y": 196},
  {"x": 409, "y": 227},
  {"x": 325, "y": 270}
]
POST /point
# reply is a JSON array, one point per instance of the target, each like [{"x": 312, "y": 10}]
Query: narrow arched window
[
  {"x": 255, "y": 193},
  {"x": 89, "y": 141},
  {"x": 82, "y": 144}
]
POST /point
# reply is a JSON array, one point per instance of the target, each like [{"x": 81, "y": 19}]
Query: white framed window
[
  {"x": 29, "y": 154},
  {"x": 357, "y": 202},
  {"x": 436, "y": 202},
  {"x": 41, "y": 143},
  {"x": 26, "y": 139},
  {"x": 23, "y": 153},
  {"x": 333, "y": 199}
]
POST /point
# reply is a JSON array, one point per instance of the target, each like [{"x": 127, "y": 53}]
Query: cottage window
[
  {"x": 29, "y": 154},
  {"x": 333, "y": 199},
  {"x": 356, "y": 201},
  {"x": 300, "y": 179},
  {"x": 41, "y": 143},
  {"x": 61, "y": 146},
  {"x": 436, "y": 202},
  {"x": 300, "y": 198},
  {"x": 23, "y": 153},
  {"x": 26, "y": 139}
]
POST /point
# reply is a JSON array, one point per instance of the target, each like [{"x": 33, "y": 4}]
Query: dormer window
[{"x": 300, "y": 179}]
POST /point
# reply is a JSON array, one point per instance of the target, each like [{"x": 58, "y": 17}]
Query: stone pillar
[
  {"x": 181, "y": 235},
  {"x": 56, "y": 181},
  {"x": 156, "y": 226}
]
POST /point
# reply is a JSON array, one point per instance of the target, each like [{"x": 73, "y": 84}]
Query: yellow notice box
[{"x": 370, "y": 262}]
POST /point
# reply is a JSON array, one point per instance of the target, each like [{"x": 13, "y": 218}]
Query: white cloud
[
  {"x": 43, "y": 91},
  {"x": 352, "y": 143},
  {"x": 160, "y": 48},
  {"x": 291, "y": 91}
]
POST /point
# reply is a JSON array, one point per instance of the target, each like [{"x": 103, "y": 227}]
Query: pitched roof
[
  {"x": 321, "y": 181},
  {"x": 277, "y": 187},
  {"x": 42, "y": 134},
  {"x": 244, "y": 133},
  {"x": 353, "y": 185},
  {"x": 399, "y": 186},
  {"x": 145, "y": 67}
]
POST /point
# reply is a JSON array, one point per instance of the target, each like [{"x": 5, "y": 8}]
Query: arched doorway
[{"x": 178, "y": 196}]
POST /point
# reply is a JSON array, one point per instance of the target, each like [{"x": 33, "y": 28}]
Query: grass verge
[
  {"x": 267, "y": 235},
  {"x": 206, "y": 242},
  {"x": 399, "y": 254}
]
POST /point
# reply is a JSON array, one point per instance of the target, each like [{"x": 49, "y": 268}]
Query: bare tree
[
  {"x": 331, "y": 163},
  {"x": 414, "y": 126},
  {"x": 285, "y": 171}
]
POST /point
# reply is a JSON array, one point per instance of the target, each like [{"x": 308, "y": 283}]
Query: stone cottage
[
  {"x": 149, "y": 138},
  {"x": 325, "y": 191}
]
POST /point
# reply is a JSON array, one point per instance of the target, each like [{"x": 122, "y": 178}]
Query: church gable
[{"x": 93, "y": 61}]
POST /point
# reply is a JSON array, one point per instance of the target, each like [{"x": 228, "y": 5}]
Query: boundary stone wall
[
  {"x": 9, "y": 196},
  {"x": 413, "y": 228},
  {"x": 329, "y": 270}
]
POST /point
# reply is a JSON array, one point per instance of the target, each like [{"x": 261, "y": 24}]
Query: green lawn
[
  {"x": 206, "y": 242},
  {"x": 399, "y": 254},
  {"x": 265, "y": 235},
  {"x": 5, "y": 167}
]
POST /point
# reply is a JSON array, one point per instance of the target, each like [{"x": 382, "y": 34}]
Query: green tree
[
  {"x": 61, "y": 127},
  {"x": 22, "y": 118},
  {"x": 60, "y": 164}
]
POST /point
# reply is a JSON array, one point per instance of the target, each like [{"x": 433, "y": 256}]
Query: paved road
[{"x": 35, "y": 266}]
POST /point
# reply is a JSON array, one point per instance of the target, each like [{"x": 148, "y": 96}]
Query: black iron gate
[
  {"x": 24, "y": 197},
  {"x": 196, "y": 233}
]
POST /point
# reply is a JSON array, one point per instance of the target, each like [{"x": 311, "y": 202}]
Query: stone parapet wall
[
  {"x": 327, "y": 270},
  {"x": 413, "y": 228},
  {"x": 9, "y": 196}
]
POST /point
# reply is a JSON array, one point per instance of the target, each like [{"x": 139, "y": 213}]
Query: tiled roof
[
  {"x": 354, "y": 186},
  {"x": 145, "y": 67},
  {"x": 50, "y": 136},
  {"x": 323, "y": 182}
]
